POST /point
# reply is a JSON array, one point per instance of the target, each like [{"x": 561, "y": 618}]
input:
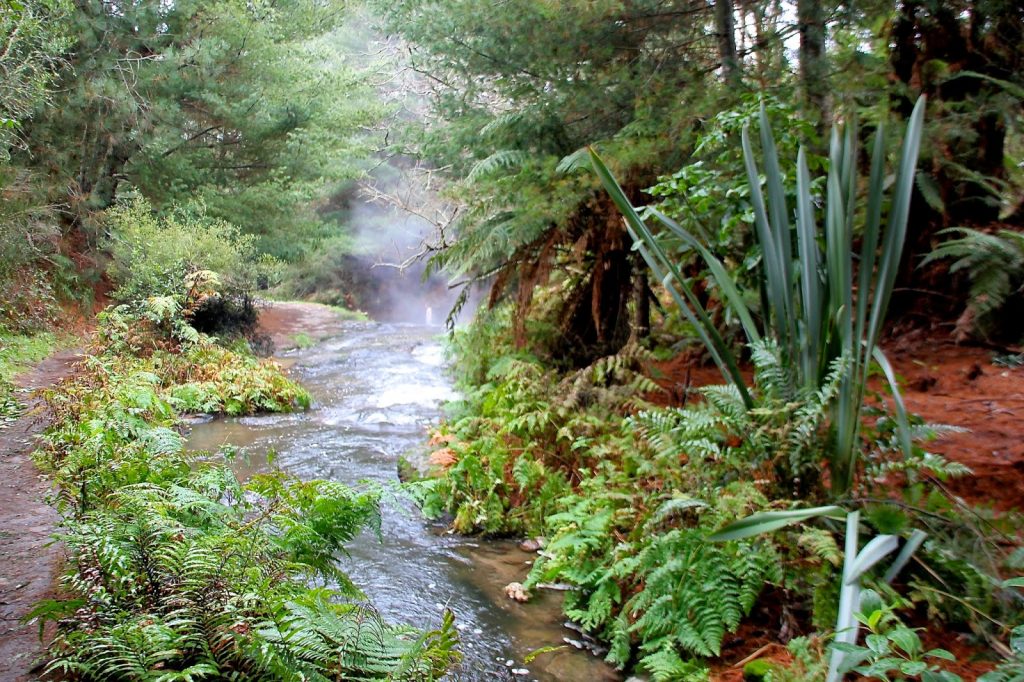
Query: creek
[{"x": 377, "y": 388}]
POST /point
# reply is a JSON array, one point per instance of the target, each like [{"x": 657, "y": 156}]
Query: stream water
[{"x": 376, "y": 389}]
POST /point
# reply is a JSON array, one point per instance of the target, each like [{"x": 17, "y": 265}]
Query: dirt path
[{"x": 26, "y": 523}]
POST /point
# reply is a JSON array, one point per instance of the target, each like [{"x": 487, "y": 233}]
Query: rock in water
[
  {"x": 532, "y": 544},
  {"x": 517, "y": 592}
]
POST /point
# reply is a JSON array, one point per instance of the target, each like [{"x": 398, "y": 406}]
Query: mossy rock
[{"x": 407, "y": 471}]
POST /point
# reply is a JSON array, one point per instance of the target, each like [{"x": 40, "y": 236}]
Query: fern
[
  {"x": 665, "y": 587},
  {"x": 695, "y": 591},
  {"x": 665, "y": 665},
  {"x": 505, "y": 158},
  {"x": 995, "y": 265},
  {"x": 176, "y": 571},
  {"x": 821, "y": 544}
]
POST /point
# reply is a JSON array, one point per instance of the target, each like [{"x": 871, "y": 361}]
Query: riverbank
[
  {"x": 293, "y": 324},
  {"x": 377, "y": 387},
  {"x": 175, "y": 566},
  {"x": 30, "y": 557}
]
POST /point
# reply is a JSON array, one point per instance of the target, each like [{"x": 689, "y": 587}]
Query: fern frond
[{"x": 502, "y": 159}]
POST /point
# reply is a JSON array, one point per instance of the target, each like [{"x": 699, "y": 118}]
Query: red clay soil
[
  {"x": 960, "y": 386},
  {"x": 753, "y": 641},
  {"x": 945, "y": 384},
  {"x": 29, "y": 562}
]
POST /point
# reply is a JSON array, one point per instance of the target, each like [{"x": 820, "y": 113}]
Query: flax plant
[{"x": 807, "y": 274}]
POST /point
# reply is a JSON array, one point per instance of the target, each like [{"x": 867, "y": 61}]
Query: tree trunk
[
  {"x": 966, "y": 146},
  {"x": 641, "y": 325},
  {"x": 725, "y": 28},
  {"x": 813, "y": 65}
]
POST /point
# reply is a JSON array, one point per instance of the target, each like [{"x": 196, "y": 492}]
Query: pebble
[{"x": 520, "y": 671}]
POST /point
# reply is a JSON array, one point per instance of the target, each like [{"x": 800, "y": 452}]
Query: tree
[
  {"x": 725, "y": 28},
  {"x": 236, "y": 103},
  {"x": 967, "y": 57},
  {"x": 520, "y": 86},
  {"x": 813, "y": 68},
  {"x": 516, "y": 94},
  {"x": 31, "y": 42}
]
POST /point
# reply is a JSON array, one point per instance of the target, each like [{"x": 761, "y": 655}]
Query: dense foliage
[
  {"x": 255, "y": 112},
  {"x": 596, "y": 163},
  {"x": 786, "y": 272},
  {"x": 628, "y": 495},
  {"x": 661, "y": 85}
]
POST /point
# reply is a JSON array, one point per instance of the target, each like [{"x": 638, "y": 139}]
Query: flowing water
[{"x": 377, "y": 388}]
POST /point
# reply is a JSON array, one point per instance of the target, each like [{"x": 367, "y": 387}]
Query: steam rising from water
[
  {"x": 390, "y": 249},
  {"x": 397, "y": 216}
]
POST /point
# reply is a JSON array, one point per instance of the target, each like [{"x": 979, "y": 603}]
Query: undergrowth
[
  {"x": 176, "y": 570},
  {"x": 17, "y": 353},
  {"x": 627, "y": 494}
]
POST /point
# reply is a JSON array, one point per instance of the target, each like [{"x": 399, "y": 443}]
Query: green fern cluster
[
  {"x": 176, "y": 571},
  {"x": 521, "y": 439},
  {"x": 995, "y": 265},
  {"x": 780, "y": 439},
  {"x": 189, "y": 581},
  {"x": 208, "y": 378},
  {"x": 628, "y": 502},
  {"x": 501, "y": 460},
  {"x": 200, "y": 378},
  {"x": 649, "y": 581}
]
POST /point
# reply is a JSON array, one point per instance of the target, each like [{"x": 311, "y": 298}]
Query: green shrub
[
  {"x": 995, "y": 265},
  {"x": 519, "y": 440},
  {"x": 892, "y": 650},
  {"x": 664, "y": 587},
  {"x": 29, "y": 235},
  {"x": 154, "y": 255},
  {"x": 805, "y": 285}
]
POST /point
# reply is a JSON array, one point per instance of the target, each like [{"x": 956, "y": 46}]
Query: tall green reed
[{"x": 809, "y": 305}]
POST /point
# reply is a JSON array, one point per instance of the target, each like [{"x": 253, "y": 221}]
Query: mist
[
  {"x": 396, "y": 216},
  {"x": 392, "y": 247}
]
